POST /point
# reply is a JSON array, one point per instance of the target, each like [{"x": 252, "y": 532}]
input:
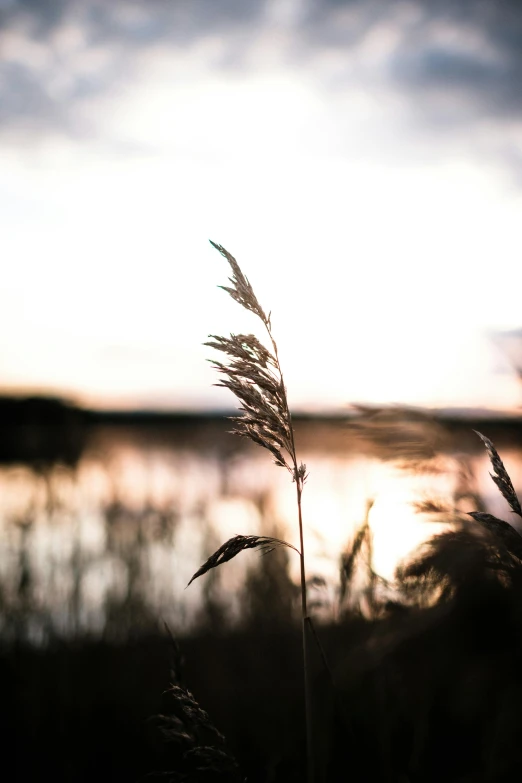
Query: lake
[{"x": 105, "y": 543}]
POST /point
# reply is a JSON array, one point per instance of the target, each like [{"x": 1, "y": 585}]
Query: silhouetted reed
[
  {"x": 197, "y": 749},
  {"x": 255, "y": 376}
]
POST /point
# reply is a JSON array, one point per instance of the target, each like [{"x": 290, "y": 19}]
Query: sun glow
[
  {"x": 336, "y": 501},
  {"x": 398, "y": 529}
]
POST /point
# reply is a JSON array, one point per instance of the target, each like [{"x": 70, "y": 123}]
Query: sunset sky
[{"x": 362, "y": 161}]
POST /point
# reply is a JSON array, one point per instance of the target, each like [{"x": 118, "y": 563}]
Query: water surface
[{"x": 106, "y": 543}]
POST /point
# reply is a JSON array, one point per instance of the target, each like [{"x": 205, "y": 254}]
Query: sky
[{"x": 361, "y": 160}]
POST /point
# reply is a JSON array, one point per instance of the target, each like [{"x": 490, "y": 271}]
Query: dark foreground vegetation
[{"x": 421, "y": 694}]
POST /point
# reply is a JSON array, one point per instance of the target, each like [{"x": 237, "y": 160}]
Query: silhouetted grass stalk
[
  {"x": 254, "y": 375},
  {"x": 299, "y": 476}
]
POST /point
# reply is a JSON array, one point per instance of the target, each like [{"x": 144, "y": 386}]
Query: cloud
[
  {"x": 132, "y": 22},
  {"x": 57, "y": 56},
  {"x": 451, "y": 65},
  {"x": 464, "y": 47}
]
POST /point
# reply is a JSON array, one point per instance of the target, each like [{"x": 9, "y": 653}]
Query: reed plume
[
  {"x": 238, "y": 544},
  {"x": 254, "y": 375},
  {"x": 506, "y": 533},
  {"x": 500, "y": 476},
  {"x": 199, "y": 750}
]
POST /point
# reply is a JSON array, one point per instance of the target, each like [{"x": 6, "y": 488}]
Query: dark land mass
[{"x": 43, "y": 430}]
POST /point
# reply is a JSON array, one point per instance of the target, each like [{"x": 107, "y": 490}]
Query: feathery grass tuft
[
  {"x": 250, "y": 376},
  {"x": 241, "y": 290},
  {"x": 202, "y": 753},
  {"x": 238, "y": 544},
  {"x": 503, "y": 531},
  {"x": 501, "y": 476},
  {"x": 255, "y": 376}
]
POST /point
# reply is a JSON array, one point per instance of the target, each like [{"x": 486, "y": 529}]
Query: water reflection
[{"x": 107, "y": 545}]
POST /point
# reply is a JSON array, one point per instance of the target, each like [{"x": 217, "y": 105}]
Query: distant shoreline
[{"x": 47, "y": 410}]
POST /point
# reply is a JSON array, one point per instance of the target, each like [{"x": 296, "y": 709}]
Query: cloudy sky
[{"x": 361, "y": 159}]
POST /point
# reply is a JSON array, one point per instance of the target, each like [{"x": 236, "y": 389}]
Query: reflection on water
[{"x": 109, "y": 544}]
